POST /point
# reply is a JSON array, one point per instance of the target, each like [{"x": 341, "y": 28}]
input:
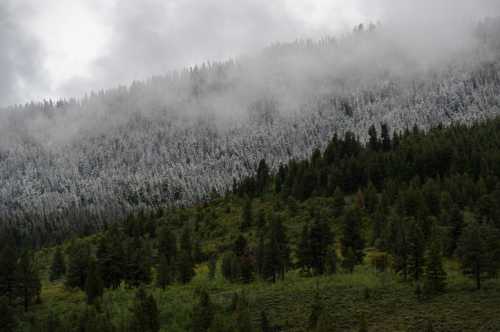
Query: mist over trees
[{"x": 76, "y": 165}]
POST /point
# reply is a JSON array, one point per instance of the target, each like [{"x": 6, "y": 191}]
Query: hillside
[
  {"x": 400, "y": 233},
  {"x": 73, "y": 166}
]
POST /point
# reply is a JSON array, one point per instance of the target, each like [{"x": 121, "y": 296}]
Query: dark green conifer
[{"x": 58, "y": 266}]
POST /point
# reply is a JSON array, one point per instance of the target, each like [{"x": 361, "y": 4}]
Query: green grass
[{"x": 387, "y": 303}]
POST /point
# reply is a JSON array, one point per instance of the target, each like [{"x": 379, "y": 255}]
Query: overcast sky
[{"x": 55, "y": 48}]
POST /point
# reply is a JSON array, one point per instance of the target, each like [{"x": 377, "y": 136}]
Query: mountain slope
[{"x": 74, "y": 165}]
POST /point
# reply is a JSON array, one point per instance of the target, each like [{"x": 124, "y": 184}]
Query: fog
[{"x": 53, "y": 49}]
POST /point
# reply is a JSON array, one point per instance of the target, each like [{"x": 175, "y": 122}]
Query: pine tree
[
  {"x": 163, "y": 273},
  {"x": 8, "y": 261},
  {"x": 264, "y": 322},
  {"x": 212, "y": 267},
  {"x": 28, "y": 284},
  {"x": 277, "y": 252},
  {"x": 338, "y": 202},
  {"x": 8, "y": 320},
  {"x": 373, "y": 138},
  {"x": 78, "y": 261},
  {"x": 94, "y": 285},
  {"x": 203, "y": 313},
  {"x": 416, "y": 246},
  {"x": 139, "y": 263},
  {"x": 320, "y": 239},
  {"x": 260, "y": 254},
  {"x": 58, "y": 267},
  {"x": 111, "y": 257},
  {"x": 262, "y": 176},
  {"x": 386, "y": 137},
  {"x": 435, "y": 275},
  {"x": 246, "y": 215},
  {"x": 304, "y": 250},
  {"x": 478, "y": 250},
  {"x": 144, "y": 313},
  {"x": 352, "y": 239},
  {"x": 185, "y": 262}
]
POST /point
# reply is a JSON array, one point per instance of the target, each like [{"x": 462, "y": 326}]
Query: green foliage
[
  {"x": 8, "y": 320},
  {"x": 144, "y": 313},
  {"x": 8, "y": 263},
  {"x": 352, "y": 243},
  {"x": 28, "y": 284},
  {"x": 94, "y": 285},
  {"x": 79, "y": 253},
  {"x": 111, "y": 258},
  {"x": 276, "y": 251},
  {"x": 203, "y": 313},
  {"x": 58, "y": 266},
  {"x": 185, "y": 261},
  {"x": 435, "y": 275},
  {"x": 478, "y": 250}
]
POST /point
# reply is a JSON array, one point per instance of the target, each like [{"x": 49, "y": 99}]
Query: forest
[
  {"x": 72, "y": 167},
  {"x": 397, "y": 231}
]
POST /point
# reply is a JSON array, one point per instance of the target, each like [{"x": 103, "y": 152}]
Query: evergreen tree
[
  {"x": 8, "y": 261},
  {"x": 78, "y": 262},
  {"x": 262, "y": 176},
  {"x": 111, "y": 257},
  {"x": 163, "y": 273},
  {"x": 167, "y": 268},
  {"x": 58, "y": 266},
  {"x": 416, "y": 250},
  {"x": 28, "y": 283},
  {"x": 277, "y": 251},
  {"x": 212, "y": 267},
  {"x": 246, "y": 215},
  {"x": 185, "y": 263},
  {"x": 139, "y": 263},
  {"x": 94, "y": 286},
  {"x": 478, "y": 249},
  {"x": 371, "y": 198},
  {"x": 260, "y": 254},
  {"x": 338, "y": 202},
  {"x": 435, "y": 275},
  {"x": 386, "y": 137},
  {"x": 167, "y": 245},
  {"x": 144, "y": 313},
  {"x": 320, "y": 239},
  {"x": 351, "y": 239},
  {"x": 8, "y": 320},
  {"x": 304, "y": 250},
  {"x": 203, "y": 313},
  {"x": 373, "y": 138},
  {"x": 264, "y": 322}
]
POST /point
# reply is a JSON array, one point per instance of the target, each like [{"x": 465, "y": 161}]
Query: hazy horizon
[{"x": 70, "y": 49}]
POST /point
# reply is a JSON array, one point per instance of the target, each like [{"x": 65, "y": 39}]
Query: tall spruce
[
  {"x": 78, "y": 262},
  {"x": 111, "y": 257},
  {"x": 94, "y": 285},
  {"x": 203, "y": 313},
  {"x": 144, "y": 314},
  {"x": 8, "y": 262},
  {"x": 185, "y": 261},
  {"x": 277, "y": 251},
  {"x": 435, "y": 275},
  {"x": 416, "y": 247},
  {"x": 28, "y": 284},
  {"x": 58, "y": 266},
  {"x": 352, "y": 239},
  {"x": 478, "y": 250}
]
